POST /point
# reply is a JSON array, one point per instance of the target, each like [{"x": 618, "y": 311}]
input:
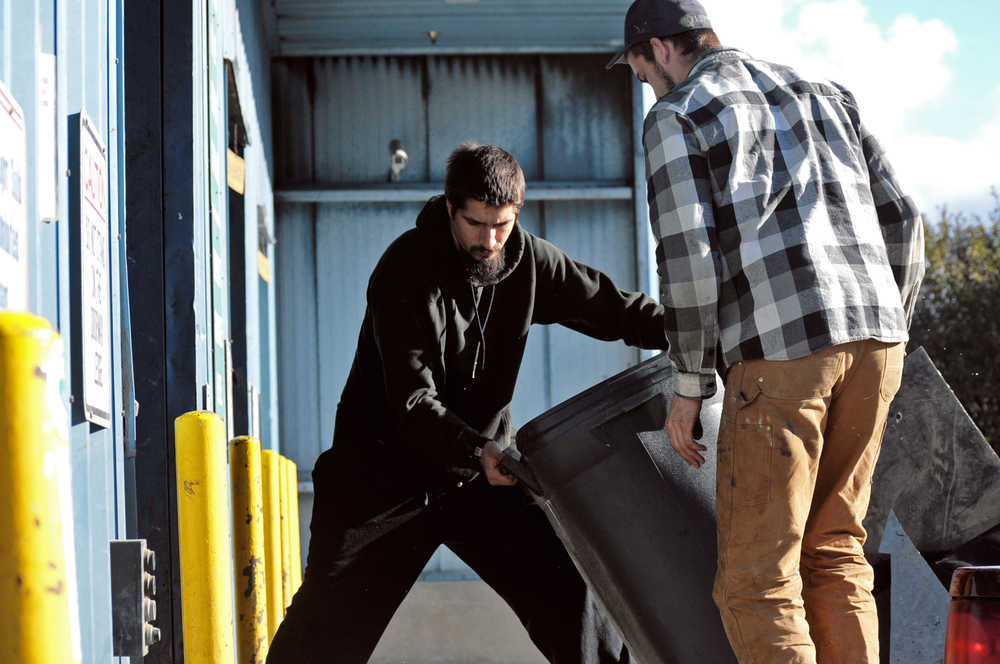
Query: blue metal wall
[
  {"x": 168, "y": 180},
  {"x": 244, "y": 45},
  {"x": 84, "y": 36}
]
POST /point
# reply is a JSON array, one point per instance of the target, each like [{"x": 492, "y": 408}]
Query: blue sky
[
  {"x": 975, "y": 64},
  {"x": 926, "y": 75}
]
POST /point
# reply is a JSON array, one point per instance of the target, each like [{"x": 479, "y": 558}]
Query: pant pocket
[
  {"x": 752, "y": 447},
  {"x": 892, "y": 372}
]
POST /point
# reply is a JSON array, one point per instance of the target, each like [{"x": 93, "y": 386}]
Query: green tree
[{"x": 957, "y": 317}]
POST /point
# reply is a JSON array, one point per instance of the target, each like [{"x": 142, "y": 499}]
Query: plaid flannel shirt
[{"x": 780, "y": 226}]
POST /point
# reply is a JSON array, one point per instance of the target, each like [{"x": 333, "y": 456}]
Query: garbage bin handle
[{"x": 514, "y": 464}]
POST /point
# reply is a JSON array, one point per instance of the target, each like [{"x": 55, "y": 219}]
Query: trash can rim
[{"x": 631, "y": 388}]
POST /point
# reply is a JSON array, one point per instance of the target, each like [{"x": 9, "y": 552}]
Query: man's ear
[
  {"x": 663, "y": 51},
  {"x": 451, "y": 213}
]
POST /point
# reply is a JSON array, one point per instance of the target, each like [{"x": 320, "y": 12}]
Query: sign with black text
[
  {"x": 13, "y": 205},
  {"x": 91, "y": 273}
]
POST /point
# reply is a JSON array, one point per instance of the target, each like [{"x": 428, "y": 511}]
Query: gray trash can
[{"x": 638, "y": 522}]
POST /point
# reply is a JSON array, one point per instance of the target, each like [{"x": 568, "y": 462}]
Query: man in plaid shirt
[{"x": 788, "y": 254}]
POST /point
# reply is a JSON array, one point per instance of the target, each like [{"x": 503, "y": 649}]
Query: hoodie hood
[{"x": 434, "y": 223}]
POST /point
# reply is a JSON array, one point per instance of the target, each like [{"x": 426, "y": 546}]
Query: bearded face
[
  {"x": 483, "y": 270},
  {"x": 480, "y": 232}
]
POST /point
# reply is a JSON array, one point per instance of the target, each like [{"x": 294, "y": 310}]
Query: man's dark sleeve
[
  {"x": 405, "y": 339},
  {"x": 587, "y": 300}
]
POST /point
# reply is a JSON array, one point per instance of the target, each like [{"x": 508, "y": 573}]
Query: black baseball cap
[{"x": 646, "y": 19}]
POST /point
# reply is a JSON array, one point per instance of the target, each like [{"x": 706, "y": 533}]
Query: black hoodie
[{"x": 433, "y": 376}]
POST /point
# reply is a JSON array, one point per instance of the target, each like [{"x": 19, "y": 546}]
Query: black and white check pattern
[{"x": 780, "y": 226}]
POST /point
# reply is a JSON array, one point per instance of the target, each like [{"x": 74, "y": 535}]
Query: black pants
[{"x": 358, "y": 573}]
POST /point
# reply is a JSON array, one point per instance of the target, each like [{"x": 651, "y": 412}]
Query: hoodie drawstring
[{"x": 481, "y": 324}]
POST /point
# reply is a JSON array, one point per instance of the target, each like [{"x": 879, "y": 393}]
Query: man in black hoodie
[{"x": 424, "y": 418}]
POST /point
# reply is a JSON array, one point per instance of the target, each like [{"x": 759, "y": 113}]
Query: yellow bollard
[
  {"x": 286, "y": 541},
  {"x": 295, "y": 550},
  {"x": 272, "y": 540},
  {"x": 206, "y": 551},
  {"x": 38, "y": 618},
  {"x": 248, "y": 544}
]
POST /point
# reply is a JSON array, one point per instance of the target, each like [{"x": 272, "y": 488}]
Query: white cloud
[
  {"x": 893, "y": 73},
  {"x": 948, "y": 171}
]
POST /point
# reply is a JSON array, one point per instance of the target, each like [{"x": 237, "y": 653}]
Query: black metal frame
[{"x": 160, "y": 165}]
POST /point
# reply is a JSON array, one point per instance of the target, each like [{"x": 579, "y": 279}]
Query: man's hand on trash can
[
  {"x": 489, "y": 458},
  {"x": 684, "y": 427}
]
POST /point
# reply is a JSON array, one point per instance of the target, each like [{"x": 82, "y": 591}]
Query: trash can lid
[{"x": 982, "y": 581}]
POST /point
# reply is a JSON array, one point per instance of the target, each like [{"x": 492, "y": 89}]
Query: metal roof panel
[{"x": 347, "y": 27}]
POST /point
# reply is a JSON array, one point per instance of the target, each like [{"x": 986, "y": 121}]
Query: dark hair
[
  {"x": 484, "y": 173},
  {"x": 693, "y": 42}
]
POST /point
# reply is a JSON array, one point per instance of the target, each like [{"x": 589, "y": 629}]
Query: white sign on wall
[
  {"x": 95, "y": 287},
  {"x": 13, "y": 201}
]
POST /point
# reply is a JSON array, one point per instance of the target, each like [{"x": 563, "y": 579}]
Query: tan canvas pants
[{"x": 797, "y": 448}]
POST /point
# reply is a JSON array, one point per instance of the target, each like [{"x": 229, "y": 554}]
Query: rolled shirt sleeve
[{"x": 683, "y": 225}]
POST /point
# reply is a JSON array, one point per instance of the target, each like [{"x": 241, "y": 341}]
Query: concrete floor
[{"x": 455, "y": 622}]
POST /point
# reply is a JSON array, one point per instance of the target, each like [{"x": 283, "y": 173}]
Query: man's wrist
[{"x": 473, "y": 443}]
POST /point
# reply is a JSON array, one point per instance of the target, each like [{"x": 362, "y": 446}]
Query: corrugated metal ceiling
[{"x": 344, "y": 27}]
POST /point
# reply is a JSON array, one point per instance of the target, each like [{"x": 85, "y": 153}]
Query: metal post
[
  {"x": 272, "y": 540},
  {"x": 286, "y": 553},
  {"x": 205, "y": 548},
  {"x": 648, "y": 281},
  {"x": 295, "y": 548},
  {"x": 37, "y": 578},
  {"x": 248, "y": 545}
]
